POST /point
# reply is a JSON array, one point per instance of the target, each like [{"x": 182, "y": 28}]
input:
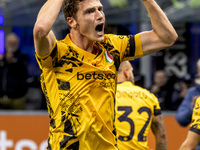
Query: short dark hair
[{"x": 70, "y": 8}]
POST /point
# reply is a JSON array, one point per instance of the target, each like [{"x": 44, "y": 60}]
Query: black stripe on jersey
[
  {"x": 132, "y": 45},
  {"x": 63, "y": 85},
  {"x": 54, "y": 52},
  {"x": 53, "y": 55},
  {"x": 157, "y": 112},
  {"x": 74, "y": 146},
  {"x": 82, "y": 58},
  {"x": 44, "y": 89},
  {"x": 52, "y": 123},
  {"x": 66, "y": 140},
  {"x": 195, "y": 130},
  {"x": 48, "y": 145},
  {"x": 99, "y": 51},
  {"x": 68, "y": 128},
  {"x": 116, "y": 57},
  {"x": 114, "y": 131}
]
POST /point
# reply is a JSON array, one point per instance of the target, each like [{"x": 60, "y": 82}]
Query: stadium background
[{"x": 122, "y": 17}]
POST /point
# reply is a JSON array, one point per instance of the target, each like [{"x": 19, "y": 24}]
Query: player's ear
[
  {"x": 126, "y": 75},
  {"x": 71, "y": 22}
]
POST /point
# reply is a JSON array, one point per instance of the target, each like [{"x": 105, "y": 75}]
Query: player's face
[
  {"x": 91, "y": 20},
  {"x": 12, "y": 44},
  {"x": 160, "y": 78}
]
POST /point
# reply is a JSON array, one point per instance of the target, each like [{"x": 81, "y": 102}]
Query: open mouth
[{"x": 99, "y": 28}]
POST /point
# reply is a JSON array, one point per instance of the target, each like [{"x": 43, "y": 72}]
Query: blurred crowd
[
  {"x": 18, "y": 90},
  {"x": 176, "y": 94}
]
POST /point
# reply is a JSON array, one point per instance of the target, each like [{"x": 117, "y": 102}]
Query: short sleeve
[
  {"x": 157, "y": 109},
  {"x": 49, "y": 60},
  {"x": 129, "y": 47}
]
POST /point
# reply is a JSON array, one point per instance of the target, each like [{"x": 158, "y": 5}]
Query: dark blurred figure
[
  {"x": 162, "y": 88},
  {"x": 13, "y": 75},
  {"x": 35, "y": 97},
  {"x": 185, "y": 110},
  {"x": 180, "y": 91}
]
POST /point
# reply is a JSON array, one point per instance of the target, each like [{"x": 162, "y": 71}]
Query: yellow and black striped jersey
[
  {"x": 135, "y": 109},
  {"x": 80, "y": 91},
  {"x": 195, "y": 124}
]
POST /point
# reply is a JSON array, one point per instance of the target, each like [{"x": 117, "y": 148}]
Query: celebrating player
[{"x": 79, "y": 72}]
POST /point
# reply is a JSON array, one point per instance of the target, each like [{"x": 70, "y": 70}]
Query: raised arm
[
  {"x": 44, "y": 37},
  {"x": 163, "y": 34},
  {"x": 158, "y": 130}
]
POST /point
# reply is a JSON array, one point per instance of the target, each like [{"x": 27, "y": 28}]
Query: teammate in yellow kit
[
  {"x": 137, "y": 110},
  {"x": 193, "y": 137},
  {"x": 79, "y": 72}
]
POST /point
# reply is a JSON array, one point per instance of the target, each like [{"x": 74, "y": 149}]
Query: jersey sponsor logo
[
  {"x": 95, "y": 75},
  {"x": 106, "y": 84}
]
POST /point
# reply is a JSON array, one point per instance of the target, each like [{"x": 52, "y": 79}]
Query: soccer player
[
  {"x": 79, "y": 72},
  {"x": 137, "y": 110},
  {"x": 193, "y": 137}
]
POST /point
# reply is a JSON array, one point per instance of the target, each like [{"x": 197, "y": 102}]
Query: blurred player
[
  {"x": 137, "y": 110},
  {"x": 193, "y": 137}
]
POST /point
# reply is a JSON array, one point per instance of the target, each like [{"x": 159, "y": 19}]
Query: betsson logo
[
  {"x": 95, "y": 76},
  {"x": 20, "y": 145}
]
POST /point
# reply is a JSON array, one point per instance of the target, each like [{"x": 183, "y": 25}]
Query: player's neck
[
  {"x": 120, "y": 78},
  {"x": 83, "y": 43}
]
